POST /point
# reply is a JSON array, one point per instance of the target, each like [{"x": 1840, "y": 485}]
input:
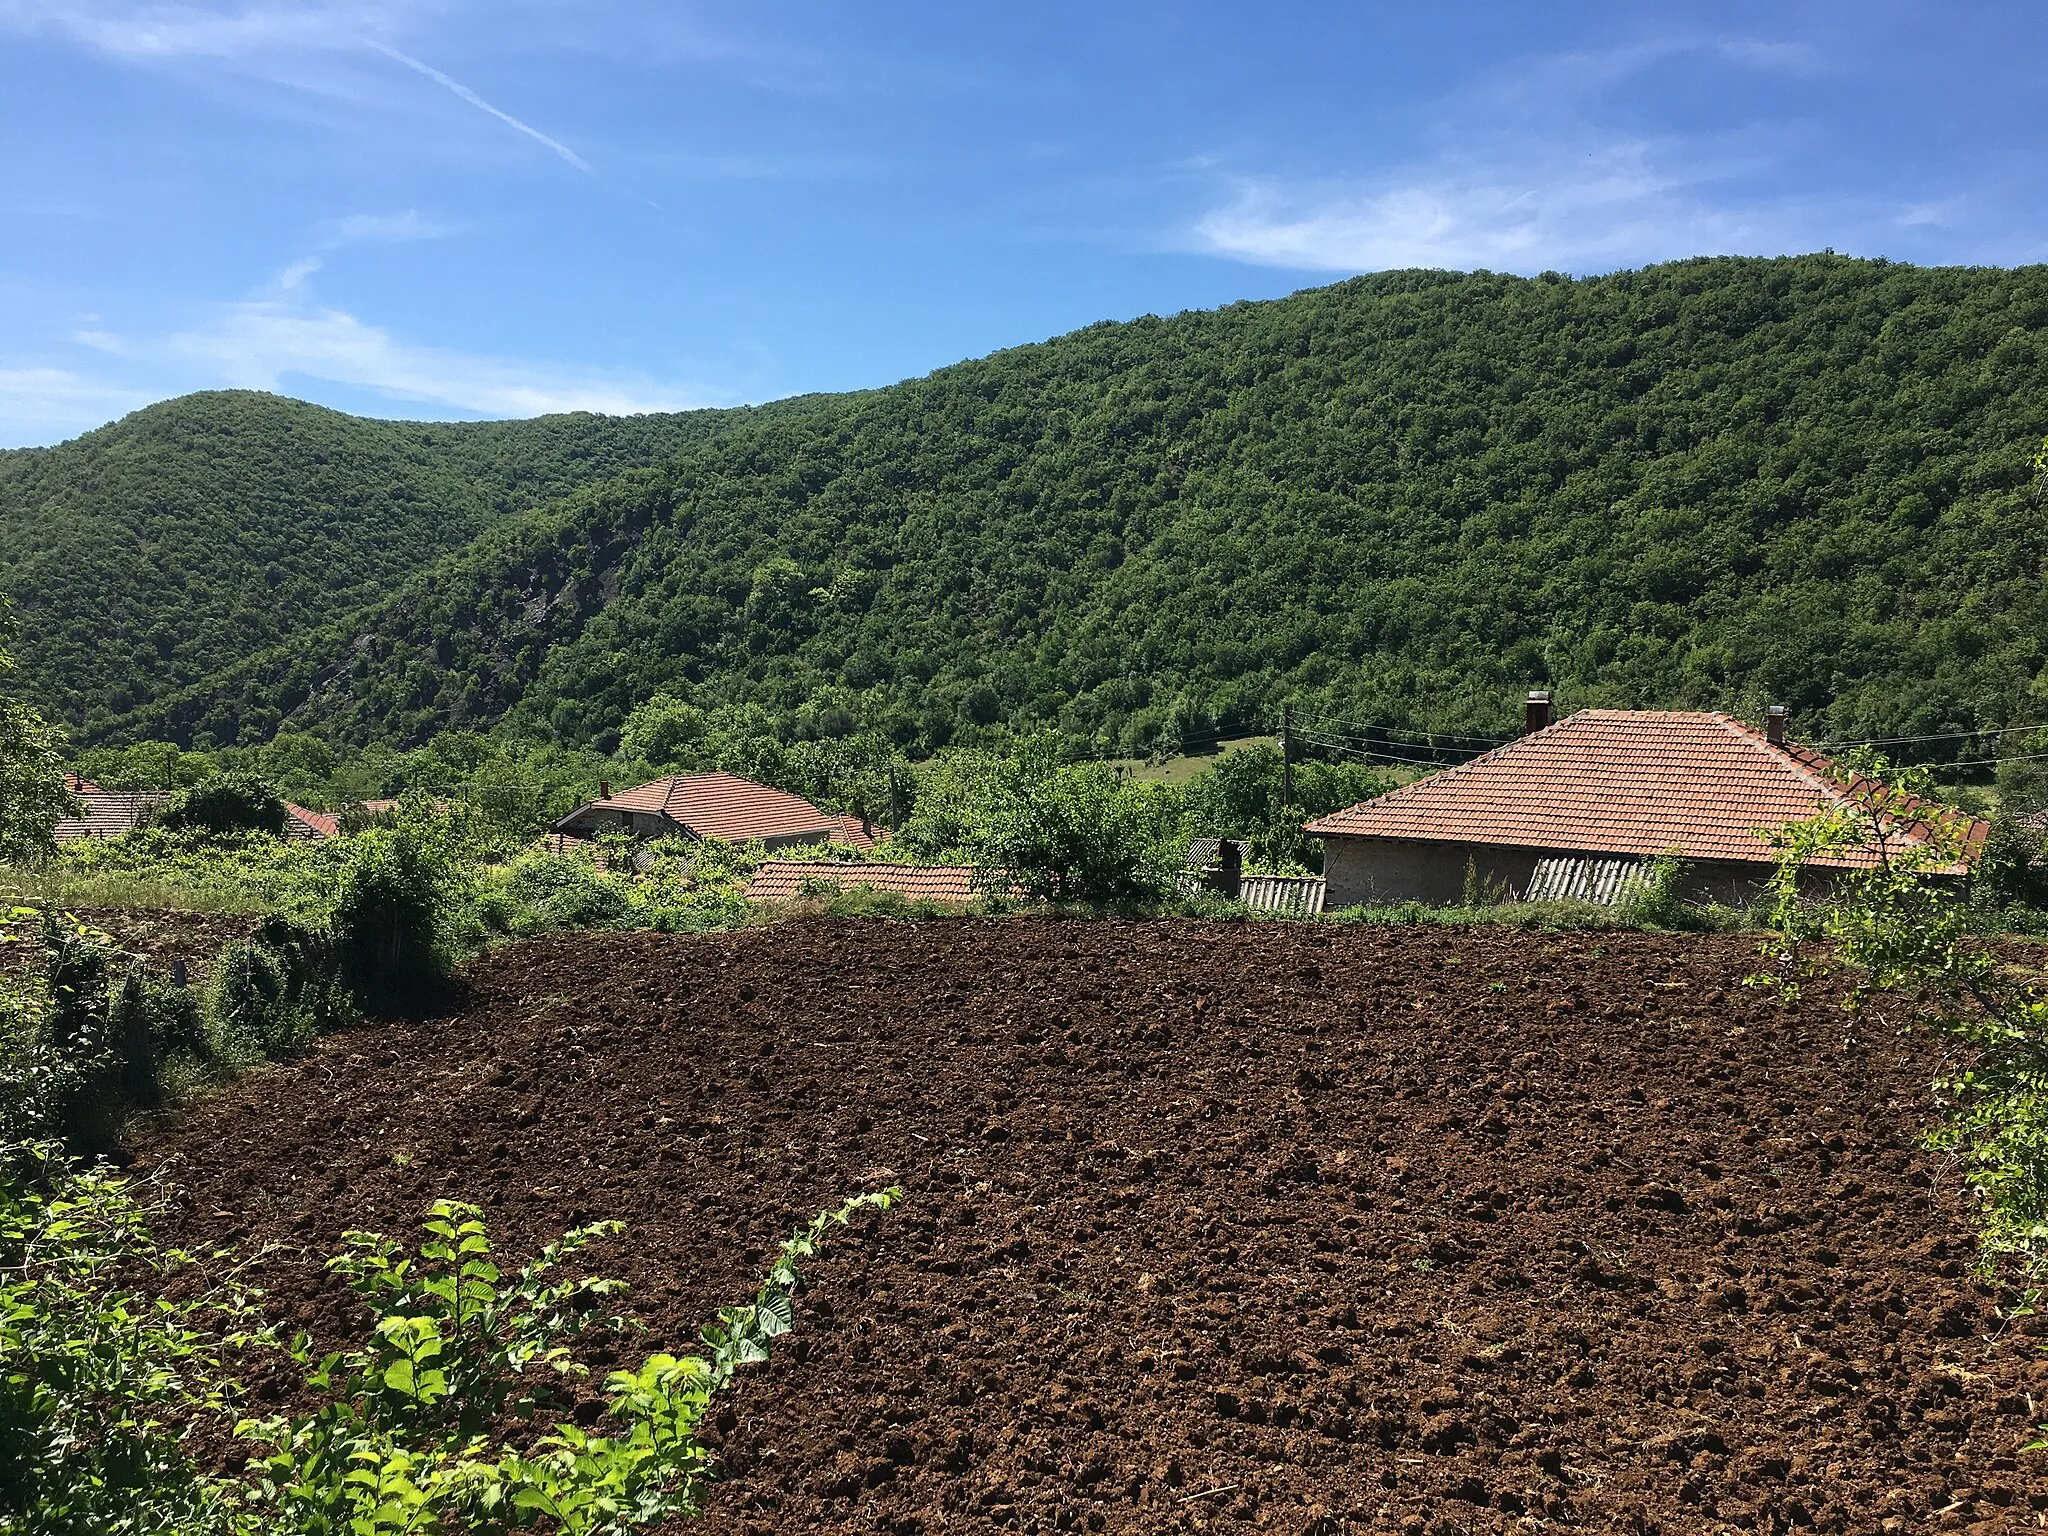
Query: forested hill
[
  {"x": 187, "y": 537},
  {"x": 1401, "y": 498}
]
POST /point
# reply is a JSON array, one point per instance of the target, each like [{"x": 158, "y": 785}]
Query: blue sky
[{"x": 450, "y": 208}]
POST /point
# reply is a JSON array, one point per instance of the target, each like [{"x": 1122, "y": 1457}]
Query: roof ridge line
[{"x": 1782, "y": 753}]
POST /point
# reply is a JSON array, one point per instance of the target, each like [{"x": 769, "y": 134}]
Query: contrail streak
[{"x": 481, "y": 105}]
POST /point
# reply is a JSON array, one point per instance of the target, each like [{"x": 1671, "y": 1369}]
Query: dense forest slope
[
  {"x": 1401, "y": 498},
  {"x": 156, "y": 552}
]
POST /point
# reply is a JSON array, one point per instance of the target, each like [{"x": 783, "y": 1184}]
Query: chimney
[
  {"x": 1536, "y": 710},
  {"x": 604, "y": 789},
  {"x": 1774, "y": 725}
]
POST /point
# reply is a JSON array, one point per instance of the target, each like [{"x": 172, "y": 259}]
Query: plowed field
[{"x": 1210, "y": 1227}]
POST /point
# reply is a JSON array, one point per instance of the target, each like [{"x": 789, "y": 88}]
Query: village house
[
  {"x": 719, "y": 805},
  {"x": 1576, "y": 808},
  {"x": 113, "y": 812}
]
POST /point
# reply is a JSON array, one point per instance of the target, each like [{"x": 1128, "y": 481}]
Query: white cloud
[
  {"x": 270, "y": 41},
  {"x": 390, "y": 226},
  {"x": 258, "y": 345},
  {"x": 154, "y": 31},
  {"x": 34, "y": 401},
  {"x": 1527, "y": 178},
  {"x": 1613, "y": 204}
]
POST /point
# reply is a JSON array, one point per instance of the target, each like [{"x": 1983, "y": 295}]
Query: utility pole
[{"x": 1286, "y": 758}]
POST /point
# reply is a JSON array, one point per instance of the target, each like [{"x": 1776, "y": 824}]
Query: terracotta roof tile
[
  {"x": 782, "y": 879},
  {"x": 312, "y": 825},
  {"x": 110, "y": 812},
  {"x": 720, "y": 805},
  {"x": 856, "y": 834},
  {"x": 1640, "y": 782}
]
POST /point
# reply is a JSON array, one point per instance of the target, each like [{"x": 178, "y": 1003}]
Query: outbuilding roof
[
  {"x": 110, "y": 812},
  {"x": 720, "y": 805},
  {"x": 782, "y": 879},
  {"x": 1640, "y": 782},
  {"x": 310, "y": 826}
]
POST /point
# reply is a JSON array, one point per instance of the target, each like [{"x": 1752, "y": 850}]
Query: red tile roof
[
  {"x": 312, "y": 825},
  {"x": 1639, "y": 782},
  {"x": 855, "y": 833},
  {"x": 720, "y": 805},
  {"x": 782, "y": 879},
  {"x": 79, "y": 784},
  {"x": 110, "y": 812}
]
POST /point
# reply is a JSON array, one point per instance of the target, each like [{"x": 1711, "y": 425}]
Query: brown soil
[{"x": 1210, "y": 1227}]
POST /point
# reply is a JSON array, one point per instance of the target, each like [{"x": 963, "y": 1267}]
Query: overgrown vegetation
[
  {"x": 1871, "y": 888},
  {"x": 453, "y": 1414},
  {"x": 103, "y": 1377}
]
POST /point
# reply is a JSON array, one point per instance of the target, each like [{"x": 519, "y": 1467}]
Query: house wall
[{"x": 1378, "y": 870}]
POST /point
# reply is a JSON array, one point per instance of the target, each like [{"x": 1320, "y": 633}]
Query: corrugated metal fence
[
  {"x": 1296, "y": 895},
  {"x": 1605, "y": 881}
]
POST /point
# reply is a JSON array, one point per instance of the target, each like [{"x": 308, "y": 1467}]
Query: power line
[
  {"x": 1374, "y": 753},
  {"x": 1900, "y": 741},
  {"x": 1365, "y": 732},
  {"x": 1375, "y": 743},
  {"x": 1992, "y": 762}
]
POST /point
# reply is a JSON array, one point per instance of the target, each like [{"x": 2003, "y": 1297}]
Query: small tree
[
  {"x": 224, "y": 804},
  {"x": 1055, "y": 831},
  {"x": 33, "y": 795},
  {"x": 1893, "y": 914}
]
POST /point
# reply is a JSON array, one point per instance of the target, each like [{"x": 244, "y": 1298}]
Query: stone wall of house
[{"x": 1377, "y": 871}]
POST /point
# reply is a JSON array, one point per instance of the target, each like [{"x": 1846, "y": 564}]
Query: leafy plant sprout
[{"x": 451, "y": 1415}]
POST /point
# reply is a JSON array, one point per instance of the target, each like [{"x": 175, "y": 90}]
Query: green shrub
[
  {"x": 104, "y": 1376},
  {"x": 272, "y": 995},
  {"x": 397, "y": 901},
  {"x": 81, "y": 1050},
  {"x": 223, "y": 804},
  {"x": 1903, "y": 927},
  {"x": 448, "y": 1418},
  {"x": 1054, "y": 831},
  {"x": 1655, "y": 899},
  {"x": 544, "y": 891}
]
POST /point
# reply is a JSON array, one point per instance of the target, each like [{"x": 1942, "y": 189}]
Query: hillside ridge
[{"x": 1400, "y": 499}]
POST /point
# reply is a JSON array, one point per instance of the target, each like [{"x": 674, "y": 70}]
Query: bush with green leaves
[
  {"x": 87, "y": 1040},
  {"x": 1898, "y": 920},
  {"x": 453, "y": 1414},
  {"x": 1242, "y": 795},
  {"x": 224, "y": 804},
  {"x": 542, "y": 891},
  {"x": 399, "y": 892},
  {"x": 695, "y": 886},
  {"x": 103, "y": 1378},
  {"x": 274, "y": 994},
  {"x": 1656, "y": 898},
  {"x": 1031, "y": 823}
]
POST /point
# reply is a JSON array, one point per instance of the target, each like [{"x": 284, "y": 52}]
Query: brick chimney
[
  {"x": 1774, "y": 725},
  {"x": 604, "y": 789},
  {"x": 1535, "y": 710}
]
